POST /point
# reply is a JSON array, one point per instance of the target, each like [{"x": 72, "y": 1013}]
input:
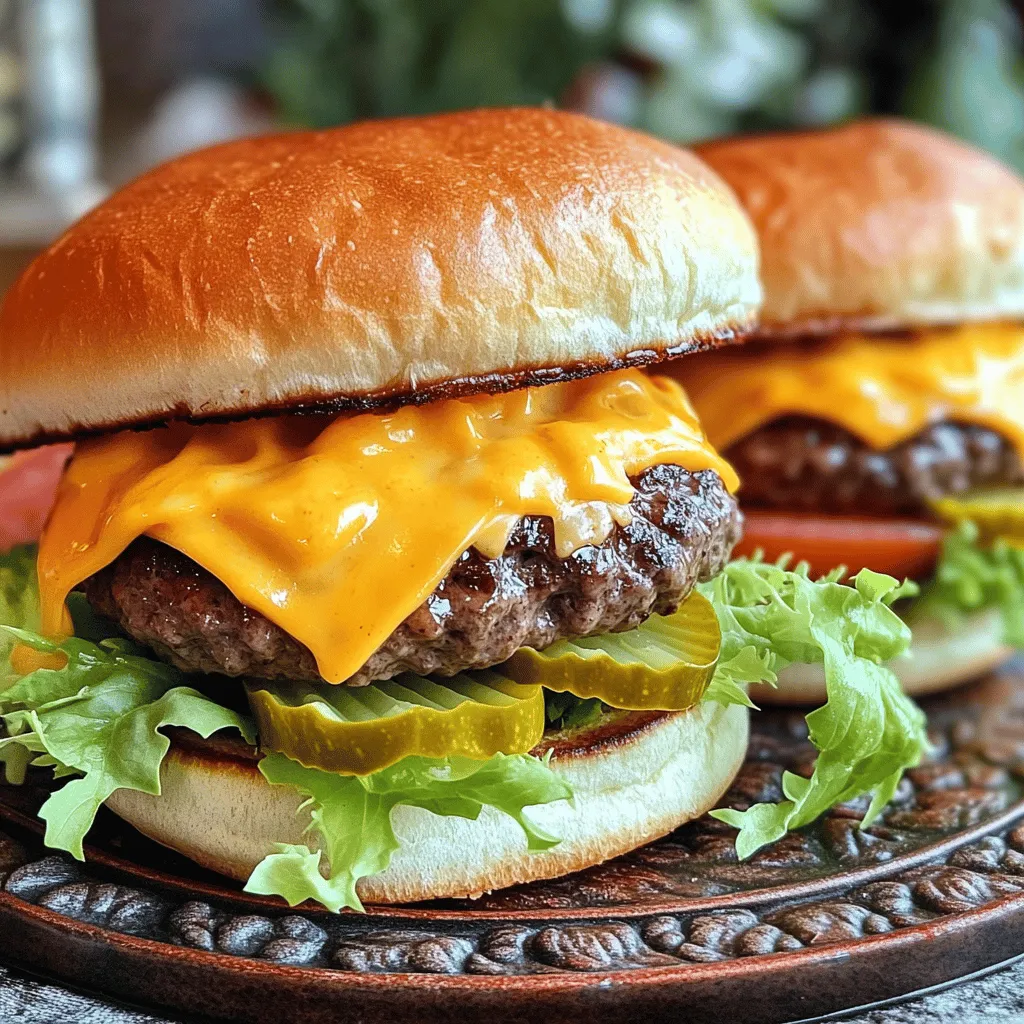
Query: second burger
[{"x": 877, "y": 417}]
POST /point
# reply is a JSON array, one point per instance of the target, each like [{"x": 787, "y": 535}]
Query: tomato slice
[
  {"x": 900, "y": 547},
  {"x": 28, "y": 483}
]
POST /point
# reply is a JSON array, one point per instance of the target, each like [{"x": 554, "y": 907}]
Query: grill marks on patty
[
  {"x": 802, "y": 464},
  {"x": 683, "y": 530}
]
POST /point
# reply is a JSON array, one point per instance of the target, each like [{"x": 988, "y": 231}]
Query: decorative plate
[{"x": 831, "y": 918}]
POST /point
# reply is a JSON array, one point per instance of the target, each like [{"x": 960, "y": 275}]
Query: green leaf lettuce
[
  {"x": 351, "y": 816},
  {"x": 99, "y": 722},
  {"x": 972, "y": 577},
  {"x": 868, "y": 732},
  {"x": 19, "y": 598},
  {"x": 100, "y": 718}
]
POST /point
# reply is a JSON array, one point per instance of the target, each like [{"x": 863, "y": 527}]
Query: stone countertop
[{"x": 995, "y": 998}]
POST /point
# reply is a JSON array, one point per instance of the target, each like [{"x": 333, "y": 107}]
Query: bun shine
[
  {"x": 381, "y": 262},
  {"x": 878, "y": 225}
]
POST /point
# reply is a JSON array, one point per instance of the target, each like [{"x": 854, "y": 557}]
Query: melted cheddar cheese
[
  {"x": 882, "y": 389},
  {"x": 337, "y": 528}
]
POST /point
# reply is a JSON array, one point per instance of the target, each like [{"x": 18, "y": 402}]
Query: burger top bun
[
  {"x": 382, "y": 262},
  {"x": 878, "y": 225}
]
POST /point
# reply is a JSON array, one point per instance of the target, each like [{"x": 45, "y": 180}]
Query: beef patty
[
  {"x": 683, "y": 529},
  {"x": 807, "y": 465}
]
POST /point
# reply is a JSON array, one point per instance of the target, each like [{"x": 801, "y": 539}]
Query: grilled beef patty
[
  {"x": 807, "y": 465},
  {"x": 684, "y": 527}
]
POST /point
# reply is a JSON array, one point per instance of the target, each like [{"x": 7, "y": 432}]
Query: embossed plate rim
[
  {"x": 686, "y": 970},
  {"x": 793, "y": 892},
  {"x": 562, "y": 988},
  {"x": 827, "y": 929}
]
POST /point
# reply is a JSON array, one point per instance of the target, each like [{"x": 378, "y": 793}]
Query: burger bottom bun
[
  {"x": 940, "y": 658},
  {"x": 633, "y": 781}
]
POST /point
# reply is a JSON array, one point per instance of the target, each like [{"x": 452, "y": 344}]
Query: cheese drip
[
  {"x": 882, "y": 389},
  {"x": 337, "y": 528}
]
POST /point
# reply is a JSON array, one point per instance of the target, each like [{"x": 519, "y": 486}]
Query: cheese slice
[
  {"x": 337, "y": 528},
  {"x": 883, "y": 389}
]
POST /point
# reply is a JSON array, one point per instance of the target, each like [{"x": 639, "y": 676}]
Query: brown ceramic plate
[{"x": 831, "y": 918}]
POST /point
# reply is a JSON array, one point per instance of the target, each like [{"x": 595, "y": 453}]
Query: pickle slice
[
  {"x": 665, "y": 664},
  {"x": 358, "y": 730},
  {"x": 998, "y": 512}
]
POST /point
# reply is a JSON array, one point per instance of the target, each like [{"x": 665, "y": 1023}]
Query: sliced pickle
[
  {"x": 998, "y": 512},
  {"x": 664, "y": 665},
  {"x": 358, "y": 730}
]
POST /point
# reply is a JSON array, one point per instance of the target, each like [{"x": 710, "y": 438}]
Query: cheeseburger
[
  {"x": 877, "y": 418},
  {"x": 380, "y": 572}
]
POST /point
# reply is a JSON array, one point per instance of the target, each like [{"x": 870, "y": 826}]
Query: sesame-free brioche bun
[
  {"x": 634, "y": 780},
  {"x": 381, "y": 262},
  {"x": 940, "y": 657},
  {"x": 878, "y": 225}
]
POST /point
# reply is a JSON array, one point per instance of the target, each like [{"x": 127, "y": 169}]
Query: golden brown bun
[
  {"x": 878, "y": 225},
  {"x": 383, "y": 261},
  {"x": 629, "y": 790},
  {"x": 940, "y": 658}
]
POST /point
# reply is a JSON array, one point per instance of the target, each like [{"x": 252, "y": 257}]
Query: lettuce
[
  {"x": 98, "y": 718},
  {"x": 868, "y": 732},
  {"x": 736, "y": 670},
  {"x": 351, "y": 816},
  {"x": 19, "y": 598},
  {"x": 98, "y": 721},
  {"x": 971, "y": 577},
  {"x": 567, "y": 711}
]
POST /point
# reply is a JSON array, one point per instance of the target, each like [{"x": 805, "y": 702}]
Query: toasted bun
[
  {"x": 940, "y": 659},
  {"x": 380, "y": 262},
  {"x": 878, "y": 225},
  {"x": 632, "y": 783}
]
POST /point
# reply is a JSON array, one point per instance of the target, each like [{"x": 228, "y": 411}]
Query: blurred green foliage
[
  {"x": 728, "y": 65},
  {"x": 683, "y": 69},
  {"x": 972, "y": 81},
  {"x": 338, "y": 60}
]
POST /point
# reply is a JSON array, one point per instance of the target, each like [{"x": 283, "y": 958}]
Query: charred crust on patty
[
  {"x": 803, "y": 464},
  {"x": 684, "y": 526}
]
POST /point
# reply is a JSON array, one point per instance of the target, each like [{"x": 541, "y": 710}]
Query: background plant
[{"x": 683, "y": 69}]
